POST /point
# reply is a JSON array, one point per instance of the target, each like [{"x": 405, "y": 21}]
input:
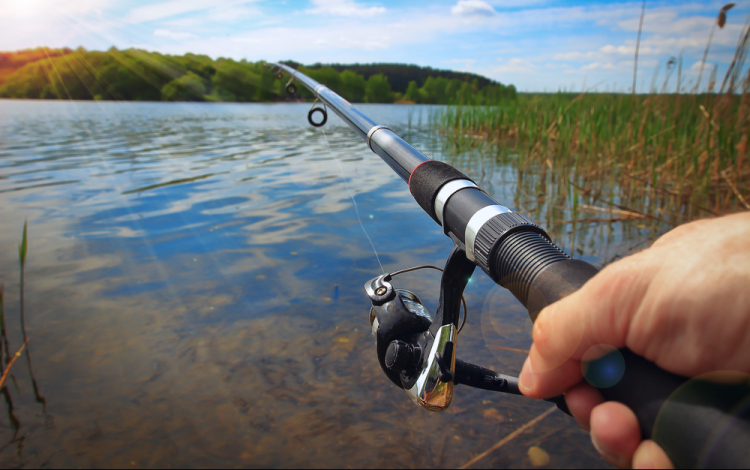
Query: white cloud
[
  {"x": 516, "y": 3},
  {"x": 232, "y": 14},
  {"x": 668, "y": 22},
  {"x": 223, "y": 15},
  {"x": 321, "y": 42},
  {"x": 608, "y": 51},
  {"x": 344, "y": 8},
  {"x": 246, "y": 40},
  {"x": 162, "y": 10},
  {"x": 158, "y": 11},
  {"x": 516, "y": 65},
  {"x": 473, "y": 8},
  {"x": 165, "y": 33},
  {"x": 575, "y": 55},
  {"x": 598, "y": 65}
]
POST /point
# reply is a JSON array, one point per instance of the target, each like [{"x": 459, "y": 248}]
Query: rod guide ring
[{"x": 310, "y": 117}]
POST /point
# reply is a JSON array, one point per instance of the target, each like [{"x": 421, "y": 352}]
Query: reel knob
[{"x": 401, "y": 355}]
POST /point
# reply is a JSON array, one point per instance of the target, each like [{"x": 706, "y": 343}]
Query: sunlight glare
[{"x": 25, "y": 7}]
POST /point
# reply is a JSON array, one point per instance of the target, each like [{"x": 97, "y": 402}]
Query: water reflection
[{"x": 194, "y": 293}]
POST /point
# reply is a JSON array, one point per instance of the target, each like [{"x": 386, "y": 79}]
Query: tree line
[
  {"x": 138, "y": 75},
  {"x": 399, "y": 75}
]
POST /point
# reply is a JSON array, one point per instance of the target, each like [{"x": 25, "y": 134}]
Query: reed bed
[{"x": 688, "y": 151}]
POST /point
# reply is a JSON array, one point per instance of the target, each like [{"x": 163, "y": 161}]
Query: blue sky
[{"x": 536, "y": 45}]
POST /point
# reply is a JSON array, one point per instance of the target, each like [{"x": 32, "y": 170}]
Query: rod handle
[{"x": 697, "y": 422}]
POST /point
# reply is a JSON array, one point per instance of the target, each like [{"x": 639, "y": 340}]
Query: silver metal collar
[
  {"x": 448, "y": 190},
  {"x": 476, "y": 223}
]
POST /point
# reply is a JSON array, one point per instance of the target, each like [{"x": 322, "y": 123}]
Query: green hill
[
  {"x": 12, "y": 61},
  {"x": 138, "y": 75}
]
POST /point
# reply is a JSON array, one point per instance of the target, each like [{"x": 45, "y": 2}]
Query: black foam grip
[
  {"x": 699, "y": 424},
  {"x": 427, "y": 179},
  {"x": 721, "y": 411}
]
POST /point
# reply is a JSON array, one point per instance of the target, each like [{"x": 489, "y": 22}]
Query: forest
[{"x": 138, "y": 75}]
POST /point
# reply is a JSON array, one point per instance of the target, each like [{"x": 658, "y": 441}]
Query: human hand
[{"x": 662, "y": 304}]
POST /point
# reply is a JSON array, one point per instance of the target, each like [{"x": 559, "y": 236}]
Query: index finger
[{"x": 597, "y": 314}]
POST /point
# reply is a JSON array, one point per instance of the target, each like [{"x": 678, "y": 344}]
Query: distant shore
[{"x": 138, "y": 75}]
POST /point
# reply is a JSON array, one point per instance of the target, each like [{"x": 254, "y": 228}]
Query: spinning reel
[{"x": 417, "y": 352}]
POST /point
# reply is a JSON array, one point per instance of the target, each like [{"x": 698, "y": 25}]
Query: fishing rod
[{"x": 698, "y": 423}]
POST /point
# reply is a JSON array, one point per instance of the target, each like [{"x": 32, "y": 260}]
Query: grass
[
  {"x": 3, "y": 333},
  {"x": 22, "y": 247},
  {"x": 671, "y": 155},
  {"x": 689, "y": 151},
  {"x": 6, "y": 359}
]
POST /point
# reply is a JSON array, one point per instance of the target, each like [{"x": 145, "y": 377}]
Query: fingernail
[
  {"x": 526, "y": 380},
  {"x": 597, "y": 446},
  {"x": 644, "y": 457},
  {"x": 610, "y": 457},
  {"x": 583, "y": 424},
  {"x": 647, "y": 455}
]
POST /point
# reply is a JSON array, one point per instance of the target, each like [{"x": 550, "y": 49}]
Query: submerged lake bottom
[{"x": 193, "y": 294}]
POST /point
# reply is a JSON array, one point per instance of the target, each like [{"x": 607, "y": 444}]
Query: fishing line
[{"x": 356, "y": 209}]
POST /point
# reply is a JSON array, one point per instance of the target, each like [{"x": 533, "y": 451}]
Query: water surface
[{"x": 194, "y": 292}]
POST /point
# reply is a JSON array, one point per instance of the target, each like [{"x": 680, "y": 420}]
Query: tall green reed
[
  {"x": 22, "y": 247},
  {"x": 3, "y": 334}
]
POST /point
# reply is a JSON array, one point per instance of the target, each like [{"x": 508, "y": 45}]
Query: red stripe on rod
[{"x": 415, "y": 169}]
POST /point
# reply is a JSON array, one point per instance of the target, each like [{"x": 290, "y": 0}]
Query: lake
[{"x": 194, "y": 292}]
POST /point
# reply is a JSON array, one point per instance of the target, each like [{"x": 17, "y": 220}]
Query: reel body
[
  {"x": 417, "y": 353},
  {"x": 411, "y": 356}
]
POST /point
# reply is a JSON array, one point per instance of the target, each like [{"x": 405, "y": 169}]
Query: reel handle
[{"x": 697, "y": 422}]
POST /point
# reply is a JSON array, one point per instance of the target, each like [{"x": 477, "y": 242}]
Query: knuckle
[{"x": 543, "y": 326}]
